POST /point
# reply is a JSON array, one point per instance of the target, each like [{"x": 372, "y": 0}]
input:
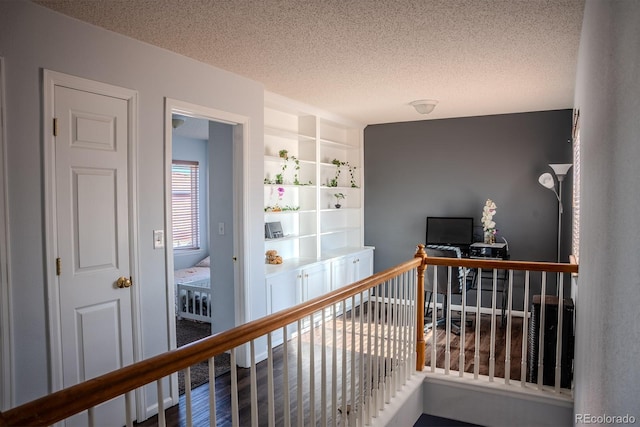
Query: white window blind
[
  {"x": 184, "y": 204},
  {"x": 575, "y": 232}
]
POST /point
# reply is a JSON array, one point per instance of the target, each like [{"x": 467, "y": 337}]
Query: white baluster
[
  {"x": 463, "y": 324},
  {"x": 235, "y": 418},
  {"x": 270, "y": 383},
  {"x": 162, "y": 421},
  {"x": 376, "y": 355},
  {"x": 525, "y": 329},
  {"x": 492, "y": 349},
  {"x": 507, "y": 359},
  {"x": 128, "y": 401},
  {"x": 446, "y": 310},
  {"x": 352, "y": 355},
  {"x": 312, "y": 374},
  {"x": 187, "y": 396},
  {"x": 285, "y": 377},
  {"x": 344, "y": 390},
  {"x": 323, "y": 368},
  {"x": 476, "y": 356},
  {"x": 254, "y": 385},
  {"x": 393, "y": 343},
  {"x": 541, "y": 330},
  {"x": 363, "y": 390},
  {"x": 212, "y": 392},
  {"x": 558, "y": 367},
  {"x": 299, "y": 405},
  {"x": 334, "y": 368}
]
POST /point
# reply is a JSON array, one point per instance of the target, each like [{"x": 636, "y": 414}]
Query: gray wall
[
  {"x": 450, "y": 167},
  {"x": 608, "y": 94}
]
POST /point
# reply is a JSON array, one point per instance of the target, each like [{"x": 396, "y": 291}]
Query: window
[
  {"x": 575, "y": 234},
  {"x": 184, "y": 204}
]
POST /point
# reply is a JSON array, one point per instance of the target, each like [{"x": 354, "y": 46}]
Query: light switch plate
[{"x": 158, "y": 239}]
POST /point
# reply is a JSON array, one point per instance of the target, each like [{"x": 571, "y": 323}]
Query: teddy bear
[{"x": 273, "y": 257}]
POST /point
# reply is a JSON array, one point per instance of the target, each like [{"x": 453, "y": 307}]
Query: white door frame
[
  {"x": 6, "y": 359},
  {"x": 50, "y": 80},
  {"x": 240, "y": 182}
]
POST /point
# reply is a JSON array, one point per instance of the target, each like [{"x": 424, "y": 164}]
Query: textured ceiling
[{"x": 368, "y": 59}]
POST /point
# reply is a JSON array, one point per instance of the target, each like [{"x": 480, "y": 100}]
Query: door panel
[
  {"x": 92, "y": 230},
  {"x": 93, "y": 199}
]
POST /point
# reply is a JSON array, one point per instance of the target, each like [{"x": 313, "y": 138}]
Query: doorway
[{"x": 211, "y": 142}]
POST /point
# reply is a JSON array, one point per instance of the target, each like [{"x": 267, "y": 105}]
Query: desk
[{"x": 495, "y": 251}]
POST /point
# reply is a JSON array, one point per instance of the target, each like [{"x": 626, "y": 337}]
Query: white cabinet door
[
  {"x": 282, "y": 293},
  {"x": 314, "y": 281},
  {"x": 341, "y": 271},
  {"x": 351, "y": 268},
  {"x": 363, "y": 266}
]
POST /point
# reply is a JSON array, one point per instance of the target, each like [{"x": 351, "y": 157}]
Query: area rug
[{"x": 189, "y": 331}]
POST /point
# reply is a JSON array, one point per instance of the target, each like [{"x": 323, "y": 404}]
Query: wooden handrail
[
  {"x": 75, "y": 399},
  {"x": 490, "y": 264}
]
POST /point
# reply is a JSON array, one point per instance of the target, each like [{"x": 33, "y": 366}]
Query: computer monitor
[{"x": 451, "y": 231}]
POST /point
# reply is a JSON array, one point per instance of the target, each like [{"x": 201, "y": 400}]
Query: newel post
[{"x": 420, "y": 344}]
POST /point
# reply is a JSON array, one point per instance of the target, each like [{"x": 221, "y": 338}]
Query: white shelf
[
  {"x": 284, "y": 133},
  {"x": 315, "y": 139},
  {"x": 338, "y": 230},
  {"x": 336, "y": 144}
]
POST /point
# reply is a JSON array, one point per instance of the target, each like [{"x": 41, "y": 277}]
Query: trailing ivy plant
[
  {"x": 284, "y": 154},
  {"x": 338, "y": 164}
]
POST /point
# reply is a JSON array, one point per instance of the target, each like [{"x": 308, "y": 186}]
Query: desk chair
[{"x": 457, "y": 283}]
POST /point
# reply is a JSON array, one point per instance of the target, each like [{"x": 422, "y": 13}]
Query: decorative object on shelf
[
  {"x": 339, "y": 196},
  {"x": 338, "y": 164},
  {"x": 273, "y": 230},
  {"x": 546, "y": 180},
  {"x": 276, "y": 207},
  {"x": 488, "y": 225},
  {"x": 273, "y": 257}
]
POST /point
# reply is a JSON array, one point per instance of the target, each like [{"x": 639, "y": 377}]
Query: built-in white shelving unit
[{"x": 323, "y": 157}]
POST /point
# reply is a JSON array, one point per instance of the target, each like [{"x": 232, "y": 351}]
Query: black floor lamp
[{"x": 546, "y": 180}]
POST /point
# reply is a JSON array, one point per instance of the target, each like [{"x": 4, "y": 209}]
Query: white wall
[
  {"x": 33, "y": 38},
  {"x": 608, "y": 96}
]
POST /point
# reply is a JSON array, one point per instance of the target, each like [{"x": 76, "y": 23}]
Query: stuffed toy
[{"x": 273, "y": 257}]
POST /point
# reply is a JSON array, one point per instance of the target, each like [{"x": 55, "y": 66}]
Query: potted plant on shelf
[{"x": 339, "y": 196}]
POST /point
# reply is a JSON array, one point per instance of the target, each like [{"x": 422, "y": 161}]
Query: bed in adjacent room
[{"x": 193, "y": 292}]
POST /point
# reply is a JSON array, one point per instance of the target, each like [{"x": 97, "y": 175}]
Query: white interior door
[{"x": 92, "y": 236}]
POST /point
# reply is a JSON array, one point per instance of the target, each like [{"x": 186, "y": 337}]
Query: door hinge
[
  {"x": 55, "y": 127},
  {"x": 58, "y": 267}
]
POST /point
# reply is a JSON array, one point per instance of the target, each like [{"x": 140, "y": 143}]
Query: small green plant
[{"x": 339, "y": 196}]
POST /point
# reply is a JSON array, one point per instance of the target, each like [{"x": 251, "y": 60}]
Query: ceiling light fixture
[
  {"x": 177, "y": 122},
  {"x": 424, "y": 106}
]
